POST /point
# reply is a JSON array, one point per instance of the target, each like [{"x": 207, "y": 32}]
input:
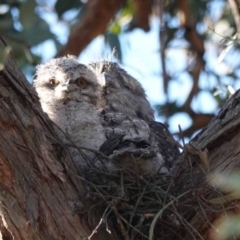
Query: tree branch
[
  {"x": 220, "y": 139},
  {"x": 97, "y": 16},
  {"x": 141, "y": 17}
]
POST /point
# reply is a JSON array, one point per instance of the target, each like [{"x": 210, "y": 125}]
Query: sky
[{"x": 141, "y": 59}]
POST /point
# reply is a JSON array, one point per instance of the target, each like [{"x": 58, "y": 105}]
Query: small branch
[
  {"x": 141, "y": 18},
  {"x": 118, "y": 217},
  {"x": 99, "y": 224},
  {"x": 162, "y": 38}
]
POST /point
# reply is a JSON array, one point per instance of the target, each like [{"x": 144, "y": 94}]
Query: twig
[
  {"x": 151, "y": 230},
  {"x": 133, "y": 227},
  {"x": 181, "y": 135},
  {"x": 93, "y": 185},
  {"x": 137, "y": 203},
  {"x": 187, "y": 224},
  {"x": 100, "y": 222},
  {"x": 122, "y": 228}
]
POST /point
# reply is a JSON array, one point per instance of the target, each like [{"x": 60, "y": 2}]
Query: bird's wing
[{"x": 165, "y": 142}]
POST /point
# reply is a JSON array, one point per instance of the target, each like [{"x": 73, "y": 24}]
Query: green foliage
[
  {"x": 228, "y": 228},
  {"x": 23, "y": 28},
  {"x": 227, "y": 182},
  {"x": 35, "y": 29}
]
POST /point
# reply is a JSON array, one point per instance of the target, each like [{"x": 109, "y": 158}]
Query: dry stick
[
  {"x": 124, "y": 220},
  {"x": 223, "y": 196},
  {"x": 187, "y": 224},
  {"x": 123, "y": 230},
  {"x": 93, "y": 185},
  {"x": 165, "y": 197},
  {"x": 181, "y": 134},
  {"x": 136, "y": 205},
  {"x": 151, "y": 230},
  {"x": 107, "y": 229},
  {"x": 172, "y": 230},
  {"x": 171, "y": 139},
  {"x": 100, "y": 222},
  {"x": 220, "y": 210},
  {"x": 150, "y": 186},
  {"x": 205, "y": 215},
  {"x": 122, "y": 186}
]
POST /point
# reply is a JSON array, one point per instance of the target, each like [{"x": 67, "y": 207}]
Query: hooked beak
[{"x": 65, "y": 86}]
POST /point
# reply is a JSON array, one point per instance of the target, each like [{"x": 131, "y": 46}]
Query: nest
[{"x": 137, "y": 204}]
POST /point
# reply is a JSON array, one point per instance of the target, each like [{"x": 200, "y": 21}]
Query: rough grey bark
[
  {"x": 221, "y": 139},
  {"x": 41, "y": 196}
]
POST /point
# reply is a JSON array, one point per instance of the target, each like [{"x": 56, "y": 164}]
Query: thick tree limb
[
  {"x": 141, "y": 17},
  {"x": 221, "y": 140},
  {"x": 197, "y": 44},
  {"x": 97, "y": 16}
]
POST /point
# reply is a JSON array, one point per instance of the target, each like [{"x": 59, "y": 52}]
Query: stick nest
[{"x": 133, "y": 203}]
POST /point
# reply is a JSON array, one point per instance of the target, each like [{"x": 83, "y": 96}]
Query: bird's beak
[{"x": 65, "y": 86}]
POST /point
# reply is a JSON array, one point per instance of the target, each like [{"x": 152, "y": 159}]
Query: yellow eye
[
  {"x": 81, "y": 82},
  {"x": 53, "y": 82}
]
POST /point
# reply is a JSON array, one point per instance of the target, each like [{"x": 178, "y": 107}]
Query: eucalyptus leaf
[{"x": 115, "y": 28}]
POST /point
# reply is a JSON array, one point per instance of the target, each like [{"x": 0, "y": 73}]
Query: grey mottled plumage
[
  {"x": 121, "y": 92},
  {"x": 102, "y": 107},
  {"x": 69, "y": 93},
  {"x": 143, "y": 144}
]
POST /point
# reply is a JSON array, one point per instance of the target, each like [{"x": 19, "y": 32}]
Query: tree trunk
[
  {"x": 42, "y": 197},
  {"x": 193, "y": 173}
]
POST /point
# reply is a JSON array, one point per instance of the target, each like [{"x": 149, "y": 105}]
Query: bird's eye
[
  {"x": 53, "y": 82},
  {"x": 127, "y": 87},
  {"x": 81, "y": 82}
]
